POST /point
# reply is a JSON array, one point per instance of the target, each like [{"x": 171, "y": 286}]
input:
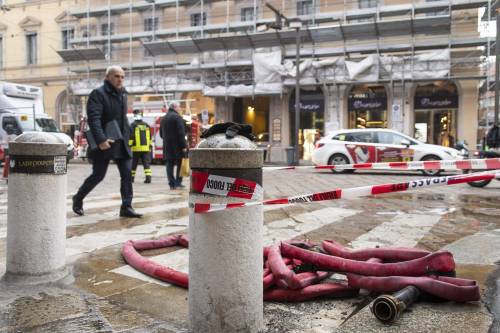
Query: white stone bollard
[
  {"x": 36, "y": 215},
  {"x": 225, "y": 248}
]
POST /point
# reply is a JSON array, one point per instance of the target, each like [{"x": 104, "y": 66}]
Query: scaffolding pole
[{"x": 497, "y": 68}]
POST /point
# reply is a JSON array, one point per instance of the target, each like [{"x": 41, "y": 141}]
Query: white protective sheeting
[
  {"x": 428, "y": 65},
  {"x": 365, "y": 70},
  {"x": 242, "y": 90},
  {"x": 267, "y": 67},
  {"x": 271, "y": 73}
]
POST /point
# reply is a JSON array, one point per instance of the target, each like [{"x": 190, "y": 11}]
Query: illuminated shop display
[
  {"x": 436, "y": 107},
  {"x": 312, "y": 119},
  {"x": 367, "y": 107}
]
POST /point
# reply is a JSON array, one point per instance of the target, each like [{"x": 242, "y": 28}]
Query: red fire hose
[
  {"x": 310, "y": 292},
  {"x": 440, "y": 262},
  {"x": 151, "y": 268},
  {"x": 281, "y": 283},
  {"x": 435, "y": 285},
  {"x": 385, "y": 253}
]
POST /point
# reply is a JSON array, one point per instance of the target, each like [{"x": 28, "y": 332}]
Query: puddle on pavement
[
  {"x": 122, "y": 223},
  {"x": 479, "y": 273}
]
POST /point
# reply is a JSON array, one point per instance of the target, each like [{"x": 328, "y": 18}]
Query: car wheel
[
  {"x": 480, "y": 183},
  {"x": 339, "y": 159},
  {"x": 431, "y": 173}
]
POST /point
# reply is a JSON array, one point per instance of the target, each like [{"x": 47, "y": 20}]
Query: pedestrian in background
[
  {"x": 106, "y": 104},
  {"x": 141, "y": 142},
  {"x": 173, "y": 133}
]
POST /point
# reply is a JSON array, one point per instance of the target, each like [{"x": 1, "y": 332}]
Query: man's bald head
[{"x": 115, "y": 75}]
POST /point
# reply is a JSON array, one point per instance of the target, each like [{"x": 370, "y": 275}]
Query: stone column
[
  {"x": 36, "y": 217},
  {"x": 225, "y": 248}
]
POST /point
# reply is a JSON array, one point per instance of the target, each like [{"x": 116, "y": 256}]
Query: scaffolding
[{"x": 173, "y": 46}]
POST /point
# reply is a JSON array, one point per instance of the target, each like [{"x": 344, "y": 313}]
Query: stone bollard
[
  {"x": 36, "y": 215},
  {"x": 225, "y": 248}
]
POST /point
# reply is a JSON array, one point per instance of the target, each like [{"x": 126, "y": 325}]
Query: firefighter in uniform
[{"x": 140, "y": 142}]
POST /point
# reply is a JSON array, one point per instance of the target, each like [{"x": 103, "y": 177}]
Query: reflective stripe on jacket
[{"x": 140, "y": 140}]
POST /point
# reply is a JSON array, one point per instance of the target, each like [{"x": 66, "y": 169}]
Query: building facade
[
  {"x": 30, "y": 35},
  {"x": 414, "y": 66}
]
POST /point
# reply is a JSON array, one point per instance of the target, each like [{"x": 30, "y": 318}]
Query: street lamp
[{"x": 296, "y": 24}]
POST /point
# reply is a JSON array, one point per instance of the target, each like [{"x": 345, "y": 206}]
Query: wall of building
[{"x": 47, "y": 20}]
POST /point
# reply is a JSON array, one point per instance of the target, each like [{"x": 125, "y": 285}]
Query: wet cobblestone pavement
[{"x": 105, "y": 295}]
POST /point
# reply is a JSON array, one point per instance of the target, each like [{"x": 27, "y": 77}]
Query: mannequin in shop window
[{"x": 446, "y": 139}]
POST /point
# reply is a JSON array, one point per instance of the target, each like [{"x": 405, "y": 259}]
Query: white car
[{"x": 352, "y": 146}]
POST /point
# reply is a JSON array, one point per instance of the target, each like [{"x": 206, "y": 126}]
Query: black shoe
[
  {"x": 172, "y": 187},
  {"x": 77, "y": 206},
  {"x": 148, "y": 180},
  {"x": 128, "y": 211}
]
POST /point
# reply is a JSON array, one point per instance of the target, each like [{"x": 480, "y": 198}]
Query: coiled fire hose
[{"x": 294, "y": 273}]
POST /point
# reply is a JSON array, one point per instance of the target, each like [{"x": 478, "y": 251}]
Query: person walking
[
  {"x": 140, "y": 141},
  {"x": 106, "y": 104},
  {"x": 173, "y": 133}
]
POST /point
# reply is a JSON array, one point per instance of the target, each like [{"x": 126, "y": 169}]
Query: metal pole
[
  {"x": 34, "y": 117},
  {"x": 109, "y": 31},
  {"x": 154, "y": 21},
  {"x": 497, "y": 68},
  {"x": 297, "y": 96}
]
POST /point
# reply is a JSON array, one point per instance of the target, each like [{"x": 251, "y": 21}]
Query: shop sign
[
  {"x": 436, "y": 102},
  {"x": 38, "y": 164},
  {"x": 368, "y": 104},
  {"x": 309, "y": 103}
]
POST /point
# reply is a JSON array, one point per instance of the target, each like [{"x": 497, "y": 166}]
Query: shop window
[
  {"x": 312, "y": 119},
  {"x": 436, "y": 107},
  {"x": 367, "y": 107},
  {"x": 254, "y": 112}
]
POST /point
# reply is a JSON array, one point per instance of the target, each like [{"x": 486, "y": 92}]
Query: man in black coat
[
  {"x": 105, "y": 104},
  {"x": 173, "y": 133}
]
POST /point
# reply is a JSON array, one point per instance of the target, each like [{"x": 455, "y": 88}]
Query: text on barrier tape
[
  {"x": 203, "y": 182},
  {"x": 475, "y": 164},
  {"x": 356, "y": 192}
]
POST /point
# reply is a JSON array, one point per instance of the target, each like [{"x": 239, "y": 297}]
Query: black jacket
[
  {"x": 104, "y": 105},
  {"x": 173, "y": 133}
]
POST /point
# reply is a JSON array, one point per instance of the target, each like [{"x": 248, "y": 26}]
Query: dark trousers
[
  {"x": 145, "y": 158},
  {"x": 99, "y": 168},
  {"x": 170, "y": 163}
]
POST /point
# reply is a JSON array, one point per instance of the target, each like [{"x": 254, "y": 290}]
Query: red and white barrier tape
[
  {"x": 355, "y": 192},
  {"x": 474, "y": 164},
  {"x": 203, "y": 182}
]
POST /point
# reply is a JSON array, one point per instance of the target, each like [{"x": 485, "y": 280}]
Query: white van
[{"x": 21, "y": 111}]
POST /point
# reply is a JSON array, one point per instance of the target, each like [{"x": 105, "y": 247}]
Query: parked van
[{"x": 21, "y": 111}]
